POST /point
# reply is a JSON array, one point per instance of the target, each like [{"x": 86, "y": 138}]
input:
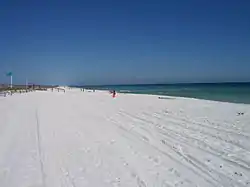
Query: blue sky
[{"x": 112, "y": 42}]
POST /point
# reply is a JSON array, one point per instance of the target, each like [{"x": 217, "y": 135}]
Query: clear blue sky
[{"x": 111, "y": 42}]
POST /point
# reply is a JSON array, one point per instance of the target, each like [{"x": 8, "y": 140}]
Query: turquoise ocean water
[{"x": 227, "y": 92}]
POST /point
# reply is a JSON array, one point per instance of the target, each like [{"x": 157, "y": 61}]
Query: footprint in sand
[
  {"x": 175, "y": 172},
  {"x": 238, "y": 173},
  {"x": 154, "y": 159},
  {"x": 140, "y": 182},
  {"x": 133, "y": 175},
  {"x": 116, "y": 182}
]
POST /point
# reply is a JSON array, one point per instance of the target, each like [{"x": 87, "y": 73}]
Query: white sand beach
[{"x": 89, "y": 139}]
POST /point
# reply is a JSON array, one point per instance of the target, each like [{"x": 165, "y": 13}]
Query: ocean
[{"x": 226, "y": 92}]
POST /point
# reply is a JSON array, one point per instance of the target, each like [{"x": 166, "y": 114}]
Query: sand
[{"x": 78, "y": 139}]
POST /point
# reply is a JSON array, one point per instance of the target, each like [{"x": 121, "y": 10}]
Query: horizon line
[{"x": 180, "y": 83}]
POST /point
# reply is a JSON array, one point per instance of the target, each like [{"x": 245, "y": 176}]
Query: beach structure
[{"x": 9, "y": 74}]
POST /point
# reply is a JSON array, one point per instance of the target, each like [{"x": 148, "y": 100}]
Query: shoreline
[
  {"x": 192, "y": 98},
  {"x": 224, "y": 92},
  {"x": 170, "y": 96}
]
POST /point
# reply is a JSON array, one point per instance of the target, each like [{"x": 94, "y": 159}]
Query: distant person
[{"x": 114, "y": 93}]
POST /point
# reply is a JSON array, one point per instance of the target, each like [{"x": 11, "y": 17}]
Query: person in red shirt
[{"x": 114, "y": 93}]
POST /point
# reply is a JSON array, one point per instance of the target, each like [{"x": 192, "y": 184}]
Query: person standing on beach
[{"x": 114, "y": 93}]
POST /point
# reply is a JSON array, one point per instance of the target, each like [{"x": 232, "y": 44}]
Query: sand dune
[{"x": 56, "y": 139}]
